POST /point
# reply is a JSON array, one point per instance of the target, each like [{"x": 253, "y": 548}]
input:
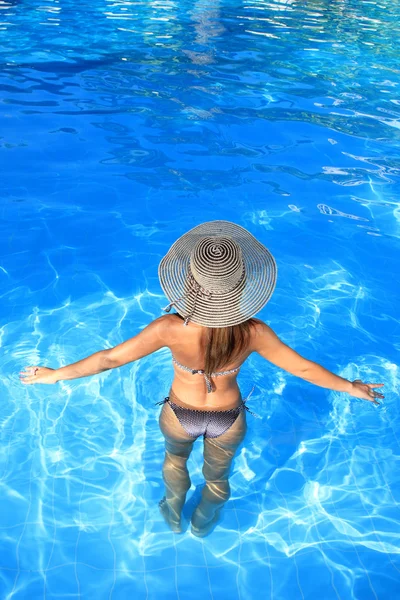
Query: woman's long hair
[{"x": 225, "y": 344}]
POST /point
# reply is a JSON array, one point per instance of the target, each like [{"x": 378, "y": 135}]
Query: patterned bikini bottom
[{"x": 208, "y": 423}]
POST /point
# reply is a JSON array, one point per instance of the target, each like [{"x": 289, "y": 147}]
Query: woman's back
[{"x": 188, "y": 346}]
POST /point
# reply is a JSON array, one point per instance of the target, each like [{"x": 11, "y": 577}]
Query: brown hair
[{"x": 225, "y": 344}]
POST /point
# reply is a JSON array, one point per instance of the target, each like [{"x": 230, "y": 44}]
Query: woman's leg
[
  {"x": 218, "y": 456},
  {"x": 178, "y": 446}
]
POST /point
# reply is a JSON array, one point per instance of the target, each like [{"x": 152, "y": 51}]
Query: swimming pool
[{"x": 123, "y": 124}]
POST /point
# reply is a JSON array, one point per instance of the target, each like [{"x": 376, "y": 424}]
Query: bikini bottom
[{"x": 208, "y": 423}]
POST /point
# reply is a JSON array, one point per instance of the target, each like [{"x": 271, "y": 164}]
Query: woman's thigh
[
  {"x": 177, "y": 440},
  {"x": 219, "y": 451}
]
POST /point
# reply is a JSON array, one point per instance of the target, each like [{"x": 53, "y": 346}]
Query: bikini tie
[
  {"x": 162, "y": 401},
  {"x": 242, "y": 406},
  {"x": 247, "y": 408}
]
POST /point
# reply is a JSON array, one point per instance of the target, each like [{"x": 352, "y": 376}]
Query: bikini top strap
[
  {"x": 202, "y": 372},
  {"x": 235, "y": 370}
]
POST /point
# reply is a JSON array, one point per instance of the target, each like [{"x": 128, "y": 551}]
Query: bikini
[
  {"x": 208, "y": 422},
  {"x": 201, "y": 372}
]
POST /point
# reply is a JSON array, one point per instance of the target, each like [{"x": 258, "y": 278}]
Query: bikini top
[{"x": 201, "y": 372}]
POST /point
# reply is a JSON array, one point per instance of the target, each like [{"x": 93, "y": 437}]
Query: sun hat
[{"x": 217, "y": 275}]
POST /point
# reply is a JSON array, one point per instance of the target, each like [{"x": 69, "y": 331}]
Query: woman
[{"x": 217, "y": 276}]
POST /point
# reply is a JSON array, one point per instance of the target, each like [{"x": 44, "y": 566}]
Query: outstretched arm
[
  {"x": 150, "y": 339},
  {"x": 269, "y": 346}
]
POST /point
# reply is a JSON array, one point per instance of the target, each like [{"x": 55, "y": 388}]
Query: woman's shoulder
[
  {"x": 169, "y": 327},
  {"x": 258, "y": 326},
  {"x": 166, "y": 325},
  {"x": 259, "y": 331}
]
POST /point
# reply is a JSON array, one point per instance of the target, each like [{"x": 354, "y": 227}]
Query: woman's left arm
[{"x": 150, "y": 339}]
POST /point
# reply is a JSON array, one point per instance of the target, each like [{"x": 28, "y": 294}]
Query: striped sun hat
[{"x": 217, "y": 275}]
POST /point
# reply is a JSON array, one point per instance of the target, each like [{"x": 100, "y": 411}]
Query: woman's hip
[{"x": 180, "y": 421}]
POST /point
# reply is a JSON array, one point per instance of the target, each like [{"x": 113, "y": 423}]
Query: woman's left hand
[{"x": 38, "y": 375}]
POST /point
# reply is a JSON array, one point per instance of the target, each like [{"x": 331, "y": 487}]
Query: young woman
[{"x": 217, "y": 276}]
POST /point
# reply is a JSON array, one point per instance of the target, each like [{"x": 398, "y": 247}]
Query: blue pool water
[{"x": 123, "y": 124}]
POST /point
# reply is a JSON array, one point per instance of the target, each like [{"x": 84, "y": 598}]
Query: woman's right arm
[{"x": 270, "y": 347}]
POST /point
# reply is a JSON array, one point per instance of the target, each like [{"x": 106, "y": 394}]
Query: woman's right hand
[{"x": 365, "y": 391}]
